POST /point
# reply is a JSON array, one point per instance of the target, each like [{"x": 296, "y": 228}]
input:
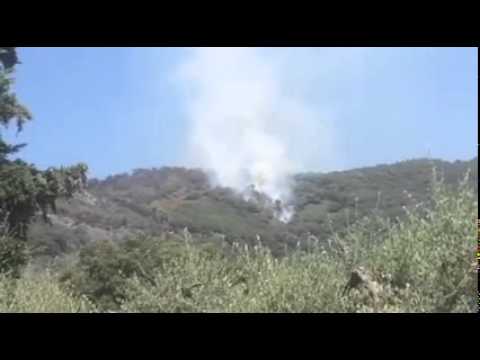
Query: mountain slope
[{"x": 164, "y": 201}]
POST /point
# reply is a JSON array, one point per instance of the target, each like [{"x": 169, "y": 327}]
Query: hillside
[{"x": 164, "y": 201}]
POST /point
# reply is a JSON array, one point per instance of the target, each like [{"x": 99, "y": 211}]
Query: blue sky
[{"x": 119, "y": 108}]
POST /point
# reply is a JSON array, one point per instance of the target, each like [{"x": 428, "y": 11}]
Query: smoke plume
[{"x": 248, "y": 125}]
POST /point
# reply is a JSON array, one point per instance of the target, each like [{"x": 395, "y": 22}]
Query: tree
[{"x": 24, "y": 189}]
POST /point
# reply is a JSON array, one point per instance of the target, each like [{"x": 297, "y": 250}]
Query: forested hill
[{"x": 164, "y": 201}]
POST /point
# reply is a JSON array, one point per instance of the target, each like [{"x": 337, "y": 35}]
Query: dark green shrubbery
[
  {"x": 102, "y": 268},
  {"x": 25, "y": 190},
  {"x": 13, "y": 256}
]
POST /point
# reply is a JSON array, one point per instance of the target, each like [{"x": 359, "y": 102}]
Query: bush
[
  {"x": 429, "y": 256},
  {"x": 13, "y": 256},
  {"x": 39, "y": 293},
  {"x": 103, "y": 267}
]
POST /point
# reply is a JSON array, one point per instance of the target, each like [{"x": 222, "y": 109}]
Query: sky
[{"x": 118, "y": 109}]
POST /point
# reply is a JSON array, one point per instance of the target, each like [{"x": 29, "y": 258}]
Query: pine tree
[{"x": 26, "y": 191}]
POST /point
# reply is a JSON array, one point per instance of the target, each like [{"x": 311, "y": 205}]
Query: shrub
[
  {"x": 39, "y": 293},
  {"x": 103, "y": 267},
  {"x": 13, "y": 256}
]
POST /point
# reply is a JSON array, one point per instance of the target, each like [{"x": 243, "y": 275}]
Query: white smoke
[{"x": 247, "y": 125}]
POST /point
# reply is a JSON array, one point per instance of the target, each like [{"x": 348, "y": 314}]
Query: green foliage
[
  {"x": 103, "y": 268},
  {"x": 13, "y": 256},
  {"x": 99, "y": 273},
  {"x": 8, "y": 57},
  {"x": 429, "y": 256},
  {"x": 249, "y": 280},
  {"x": 39, "y": 293},
  {"x": 24, "y": 190},
  {"x": 10, "y": 108},
  {"x": 344, "y": 197}
]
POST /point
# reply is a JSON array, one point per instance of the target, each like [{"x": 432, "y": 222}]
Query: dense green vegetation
[
  {"x": 24, "y": 189},
  {"x": 424, "y": 263}
]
